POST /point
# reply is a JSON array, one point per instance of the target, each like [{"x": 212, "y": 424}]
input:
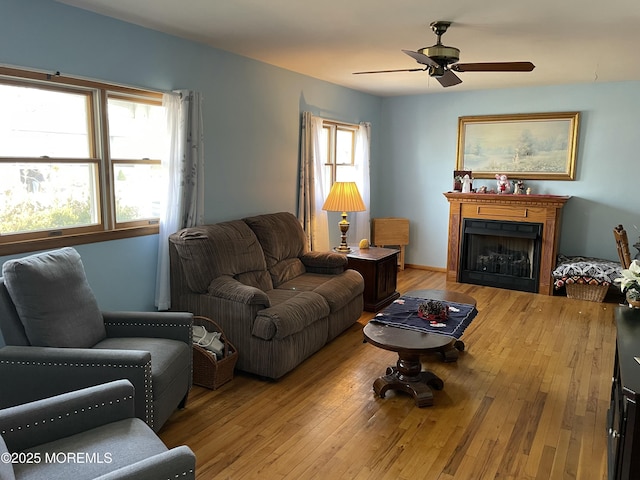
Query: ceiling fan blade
[
  {"x": 449, "y": 79},
  {"x": 493, "y": 67},
  {"x": 391, "y": 71},
  {"x": 420, "y": 58}
]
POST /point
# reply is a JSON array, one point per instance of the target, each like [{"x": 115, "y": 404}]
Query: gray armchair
[
  {"x": 86, "y": 434},
  {"x": 57, "y": 340}
]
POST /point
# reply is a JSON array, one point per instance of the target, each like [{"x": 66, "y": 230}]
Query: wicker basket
[
  {"x": 583, "y": 291},
  {"x": 208, "y": 371}
]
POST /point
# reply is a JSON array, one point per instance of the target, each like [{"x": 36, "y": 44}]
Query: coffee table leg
[
  {"x": 450, "y": 352},
  {"x": 408, "y": 377}
]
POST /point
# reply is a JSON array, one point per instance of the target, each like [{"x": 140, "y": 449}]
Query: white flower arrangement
[{"x": 630, "y": 281}]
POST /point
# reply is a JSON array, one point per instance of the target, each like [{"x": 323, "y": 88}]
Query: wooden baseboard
[{"x": 426, "y": 267}]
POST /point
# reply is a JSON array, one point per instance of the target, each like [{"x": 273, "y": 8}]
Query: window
[
  {"x": 135, "y": 152},
  {"x": 78, "y": 160},
  {"x": 338, "y": 151}
]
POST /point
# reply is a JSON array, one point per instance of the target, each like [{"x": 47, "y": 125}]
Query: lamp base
[{"x": 344, "y": 228}]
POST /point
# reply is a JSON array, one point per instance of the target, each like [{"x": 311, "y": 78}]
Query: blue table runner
[{"x": 403, "y": 313}]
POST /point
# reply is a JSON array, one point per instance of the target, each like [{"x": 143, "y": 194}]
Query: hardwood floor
[{"x": 526, "y": 400}]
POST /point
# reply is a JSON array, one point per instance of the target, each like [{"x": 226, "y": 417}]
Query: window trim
[
  {"x": 107, "y": 228},
  {"x": 333, "y": 127}
]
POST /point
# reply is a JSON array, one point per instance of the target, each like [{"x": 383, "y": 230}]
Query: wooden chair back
[{"x": 622, "y": 242}]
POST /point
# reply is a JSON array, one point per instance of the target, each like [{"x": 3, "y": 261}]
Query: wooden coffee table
[{"x": 408, "y": 376}]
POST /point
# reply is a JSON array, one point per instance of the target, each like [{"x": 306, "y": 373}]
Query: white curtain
[
  {"x": 311, "y": 195},
  {"x": 360, "y": 221},
  {"x": 183, "y": 167}
]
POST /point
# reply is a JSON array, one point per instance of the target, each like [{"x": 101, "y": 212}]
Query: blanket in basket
[
  {"x": 403, "y": 313},
  {"x": 585, "y": 270}
]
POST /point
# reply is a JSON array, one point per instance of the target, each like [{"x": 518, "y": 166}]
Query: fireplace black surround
[{"x": 502, "y": 254}]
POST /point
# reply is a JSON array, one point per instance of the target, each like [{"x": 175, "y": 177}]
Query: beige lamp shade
[{"x": 344, "y": 197}]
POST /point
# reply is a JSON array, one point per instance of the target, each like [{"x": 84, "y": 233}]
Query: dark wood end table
[
  {"x": 407, "y": 375},
  {"x": 379, "y": 268}
]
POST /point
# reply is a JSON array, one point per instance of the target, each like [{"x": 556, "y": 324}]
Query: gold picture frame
[{"x": 534, "y": 146}]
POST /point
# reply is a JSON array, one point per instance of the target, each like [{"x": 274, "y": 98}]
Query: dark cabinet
[
  {"x": 379, "y": 268},
  {"x": 623, "y": 421}
]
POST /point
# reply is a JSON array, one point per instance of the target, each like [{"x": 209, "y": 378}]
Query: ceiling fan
[{"x": 441, "y": 61}]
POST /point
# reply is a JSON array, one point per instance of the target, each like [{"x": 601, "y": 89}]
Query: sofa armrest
[
  {"x": 33, "y": 373},
  {"x": 229, "y": 288},
  {"x": 179, "y": 462},
  {"x": 42, "y": 421},
  {"x": 171, "y": 325},
  {"x": 324, "y": 262}
]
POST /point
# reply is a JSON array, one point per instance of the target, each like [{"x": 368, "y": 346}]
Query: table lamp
[{"x": 344, "y": 197}]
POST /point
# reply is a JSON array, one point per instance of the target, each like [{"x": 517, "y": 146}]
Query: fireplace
[
  {"x": 501, "y": 254},
  {"x": 524, "y": 260}
]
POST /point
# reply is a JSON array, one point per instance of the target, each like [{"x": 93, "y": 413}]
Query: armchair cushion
[
  {"x": 104, "y": 445},
  {"x": 177, "y": 463},
  {"x": 6, "y": 469},
  {"x": 168, "y": 357},
  {"x": 54, "y": 300}
]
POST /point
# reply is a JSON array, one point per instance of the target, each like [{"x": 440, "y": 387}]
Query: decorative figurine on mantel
[
  {"x": 518, "y": 187},
  {"x": 458, "y": 176},
  {"x": 466, "y": 184},
  {"x": 503, "y": 183}
]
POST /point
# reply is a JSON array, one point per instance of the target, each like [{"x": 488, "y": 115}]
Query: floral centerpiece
[
  {"x": 433, "y": 310},
  {"x": 630, "y": 283}
]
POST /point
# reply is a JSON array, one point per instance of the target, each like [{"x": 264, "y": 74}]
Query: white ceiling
[{"x": 569, "y": 41}]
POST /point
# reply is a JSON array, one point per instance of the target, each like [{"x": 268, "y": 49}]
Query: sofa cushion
[
  {"x": 281, "y": 237},
  {"x": 259, "y": 279},
  {"x": 54, "y": 300},
  {"x": 286, "y": 270},
  {"x": 289, "y": 317},
  {"x": 339, "y": 290},
  {"x": 227, "y": 248}
]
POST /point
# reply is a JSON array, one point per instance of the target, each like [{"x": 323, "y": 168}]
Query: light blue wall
[
  {"x": 417, "y": 157},
  {"x": 251, "y": 117}
]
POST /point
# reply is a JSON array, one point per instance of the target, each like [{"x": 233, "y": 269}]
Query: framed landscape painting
[{"x": 539, "y": 146}]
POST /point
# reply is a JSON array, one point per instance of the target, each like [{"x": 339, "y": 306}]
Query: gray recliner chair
[
  {"x": 57, "y": 340},
  {"x": 86, "y": 434}
]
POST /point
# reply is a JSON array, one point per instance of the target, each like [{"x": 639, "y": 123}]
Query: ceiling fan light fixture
[
  {"x": 436, "y": 71},
  {"x": 441, "y": 54}
]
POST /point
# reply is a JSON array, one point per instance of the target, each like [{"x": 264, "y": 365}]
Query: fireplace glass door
[{"x": 501, "y": 254}]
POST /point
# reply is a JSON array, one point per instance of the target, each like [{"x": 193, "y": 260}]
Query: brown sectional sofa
[{"x": 277, "y": 302}]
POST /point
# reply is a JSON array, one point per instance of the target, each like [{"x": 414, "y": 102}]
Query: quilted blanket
[{"x": 585, "y": 270}]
